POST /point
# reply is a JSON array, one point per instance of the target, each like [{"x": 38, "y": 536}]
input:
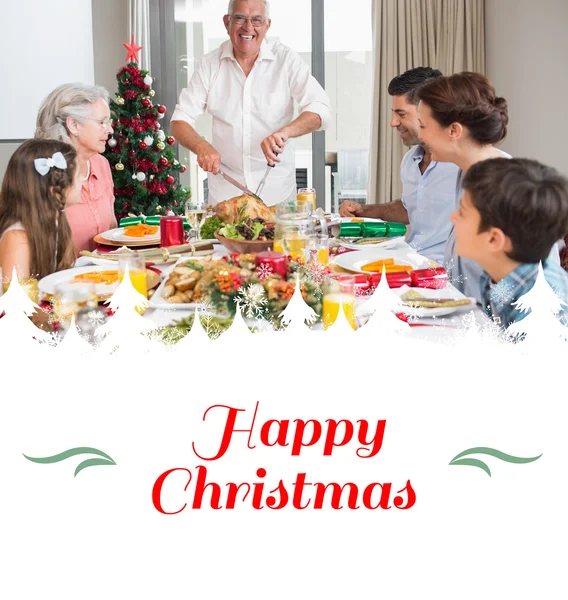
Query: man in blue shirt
[{"x": 428, "y": 187}]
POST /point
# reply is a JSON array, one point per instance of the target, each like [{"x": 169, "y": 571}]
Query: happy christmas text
[{"x": 200, "y": 491}]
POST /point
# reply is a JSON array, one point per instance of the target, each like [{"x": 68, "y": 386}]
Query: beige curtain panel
[{"x": 443, "y": 34}]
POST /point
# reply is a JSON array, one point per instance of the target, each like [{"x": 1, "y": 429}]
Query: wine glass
[{"x": 195, "y": 215}]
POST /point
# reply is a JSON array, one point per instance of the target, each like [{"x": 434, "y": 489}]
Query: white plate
[
  {"x": 448, "y": 292},
  {"x": 360, "y": 220},
  {"x": 117, "y": 235},
  {"x": 390, "y": 243},
  {"x": 158, "y": 301},
  {"x": 48, "y": 284},
  {"x": 353, "y": 261}
]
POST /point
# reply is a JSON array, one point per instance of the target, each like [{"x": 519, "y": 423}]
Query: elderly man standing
[
  {"x": 249, "y": 86},
  {"x": 428, "y": 187}
]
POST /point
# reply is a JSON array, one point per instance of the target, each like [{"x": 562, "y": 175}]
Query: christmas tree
[{"x": 142, "y": 158}]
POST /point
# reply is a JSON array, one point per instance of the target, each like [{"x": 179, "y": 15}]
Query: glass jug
[{"x": 295, "y": 223}]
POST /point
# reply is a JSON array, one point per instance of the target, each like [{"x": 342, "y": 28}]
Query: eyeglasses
[
  {"x": 104, "y": 123},
  {"x": 256, "y": 21}
]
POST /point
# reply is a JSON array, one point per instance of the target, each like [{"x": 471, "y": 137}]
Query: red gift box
[{"x": 434, "y": 277}]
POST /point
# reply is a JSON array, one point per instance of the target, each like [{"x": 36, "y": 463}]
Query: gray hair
[
  {"x": 265, "y": 2},
  {"x": 68, "y": 100}
]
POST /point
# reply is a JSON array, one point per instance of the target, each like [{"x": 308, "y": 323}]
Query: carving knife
[{"x": 238, "y": 185}]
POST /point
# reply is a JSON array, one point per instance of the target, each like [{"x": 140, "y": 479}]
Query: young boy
[{"x": 510, "y": 215}]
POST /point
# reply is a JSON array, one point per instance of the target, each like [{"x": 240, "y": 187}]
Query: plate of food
[
  {"x": 427, "y": 302},
  {"x": 372, "y": 260},
  {"x": 104, "y": 279},
  {"x": 131, "y": 235},
  {"x": 186, "y": 283}
]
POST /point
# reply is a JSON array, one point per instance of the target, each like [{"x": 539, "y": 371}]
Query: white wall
[
  {"x": 109, "y": 30},
  {"x": 42, "y": 44},
  {"x": 527, "y": 61}
]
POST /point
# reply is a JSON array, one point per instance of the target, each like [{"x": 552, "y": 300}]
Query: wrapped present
[
  {"x": 395, "y": 279},
  {"x": 396, "y": 229},
  {"x": 433, "y": 277}
]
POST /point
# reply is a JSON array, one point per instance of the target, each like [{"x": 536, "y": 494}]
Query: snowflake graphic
[
  {"x": 502, "y": 293},
  {"x": 205, "y": 312},
  {"x": 96, "y": 317},
  {"x": 264, "y": 271},
  {"x": 252, "y": 301},
  {"x": 315, "y": 274},
  {"x": 453, "y": 278}
]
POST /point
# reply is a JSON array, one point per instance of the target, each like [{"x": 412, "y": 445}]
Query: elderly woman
[{"x": 79, "y": 115}]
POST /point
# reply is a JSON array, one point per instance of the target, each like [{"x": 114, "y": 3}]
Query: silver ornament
[{"x": 112, "y": 143}]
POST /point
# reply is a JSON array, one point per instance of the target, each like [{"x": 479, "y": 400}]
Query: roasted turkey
[{"x": 243, "y": 207}]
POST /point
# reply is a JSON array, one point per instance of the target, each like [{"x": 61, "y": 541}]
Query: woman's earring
[{"x": 76, "y": 133}]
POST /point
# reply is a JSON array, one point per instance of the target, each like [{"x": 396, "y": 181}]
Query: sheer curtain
[
  {"x": 444, "y": 34},
  {"x": 139, "y": 26}
]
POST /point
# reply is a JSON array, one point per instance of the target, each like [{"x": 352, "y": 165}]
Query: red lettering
[
  {"x": 157, "y": 491},
  {"x": 200, "y": 486},
  {"x": 283, "y": 493},
  {"x": 299, "y": 435},
  {"x": 377, "y": 440},
  {"x": 330, "y": 436},
  {"x": 411, "y": 497},
  {"x": 336, "y": 495},
  {"x": 282, "y": 432},
  {"x": 298, "y": 491},
  {"x": 258, "y": 489},
  {"x": 385, "y": 496},
  {"x": 229, "y": 430}
]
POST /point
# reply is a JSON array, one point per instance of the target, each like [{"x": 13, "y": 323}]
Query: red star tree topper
[
  {"x": 143, "y": 161},
  {"x": 133, "y": 49}
]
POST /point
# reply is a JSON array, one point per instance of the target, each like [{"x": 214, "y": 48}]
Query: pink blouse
[{"x": 94, "y": 214}]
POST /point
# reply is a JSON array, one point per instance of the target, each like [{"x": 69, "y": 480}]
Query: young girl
[{"x": 40, "y": 182}]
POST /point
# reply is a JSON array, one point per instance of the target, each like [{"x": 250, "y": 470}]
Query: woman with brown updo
[{"x": 461, "y": 120}]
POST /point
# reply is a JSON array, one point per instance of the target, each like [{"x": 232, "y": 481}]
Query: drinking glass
[
  {"x": 337, "y": 292},
  {"x": 294, "y": 238},
  {"x": 195, "y": 214},
  {"x": 71, "y": 299},
  {"x": 136, "y": 269},
  {"x": 318, "y": 249},
  {"x": 307, "y": 194}
]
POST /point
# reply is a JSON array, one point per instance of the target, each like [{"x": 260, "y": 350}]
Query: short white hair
[
  {"x": 68, "y": 100},
  {"x": 265, "y": 2}
]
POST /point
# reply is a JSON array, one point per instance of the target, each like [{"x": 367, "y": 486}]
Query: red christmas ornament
[
  {"x": 163, "y": 161},
  {"x": 143, "y": 145},
  {"x": 175, "y": 203},
  {"x": 170, "y": 179},
  {"x": 126, "y": 140},
  {"x": 171, "y": 140},
  {"x": 132, "y": 153},
  {"x": 183, "y": 168},
  {"x": 162, "y": 109}
]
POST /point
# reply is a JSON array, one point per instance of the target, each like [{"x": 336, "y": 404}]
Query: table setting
[{"x": 254, "y": 260}]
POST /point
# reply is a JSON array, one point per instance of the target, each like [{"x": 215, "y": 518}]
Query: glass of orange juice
[
  {"x": 339, "y": 291},
  {"x": 318, "y": 249},
  {"x": 307, "y": 194},
  {"x": 136, "y": 269}
]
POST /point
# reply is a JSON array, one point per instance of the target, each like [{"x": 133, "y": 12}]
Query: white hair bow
[{"x": 42, "y": 165}]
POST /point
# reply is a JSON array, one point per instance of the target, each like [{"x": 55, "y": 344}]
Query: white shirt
[
  {"x": 429, "y": 199},
  {"x": 246, "y": 110}
]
